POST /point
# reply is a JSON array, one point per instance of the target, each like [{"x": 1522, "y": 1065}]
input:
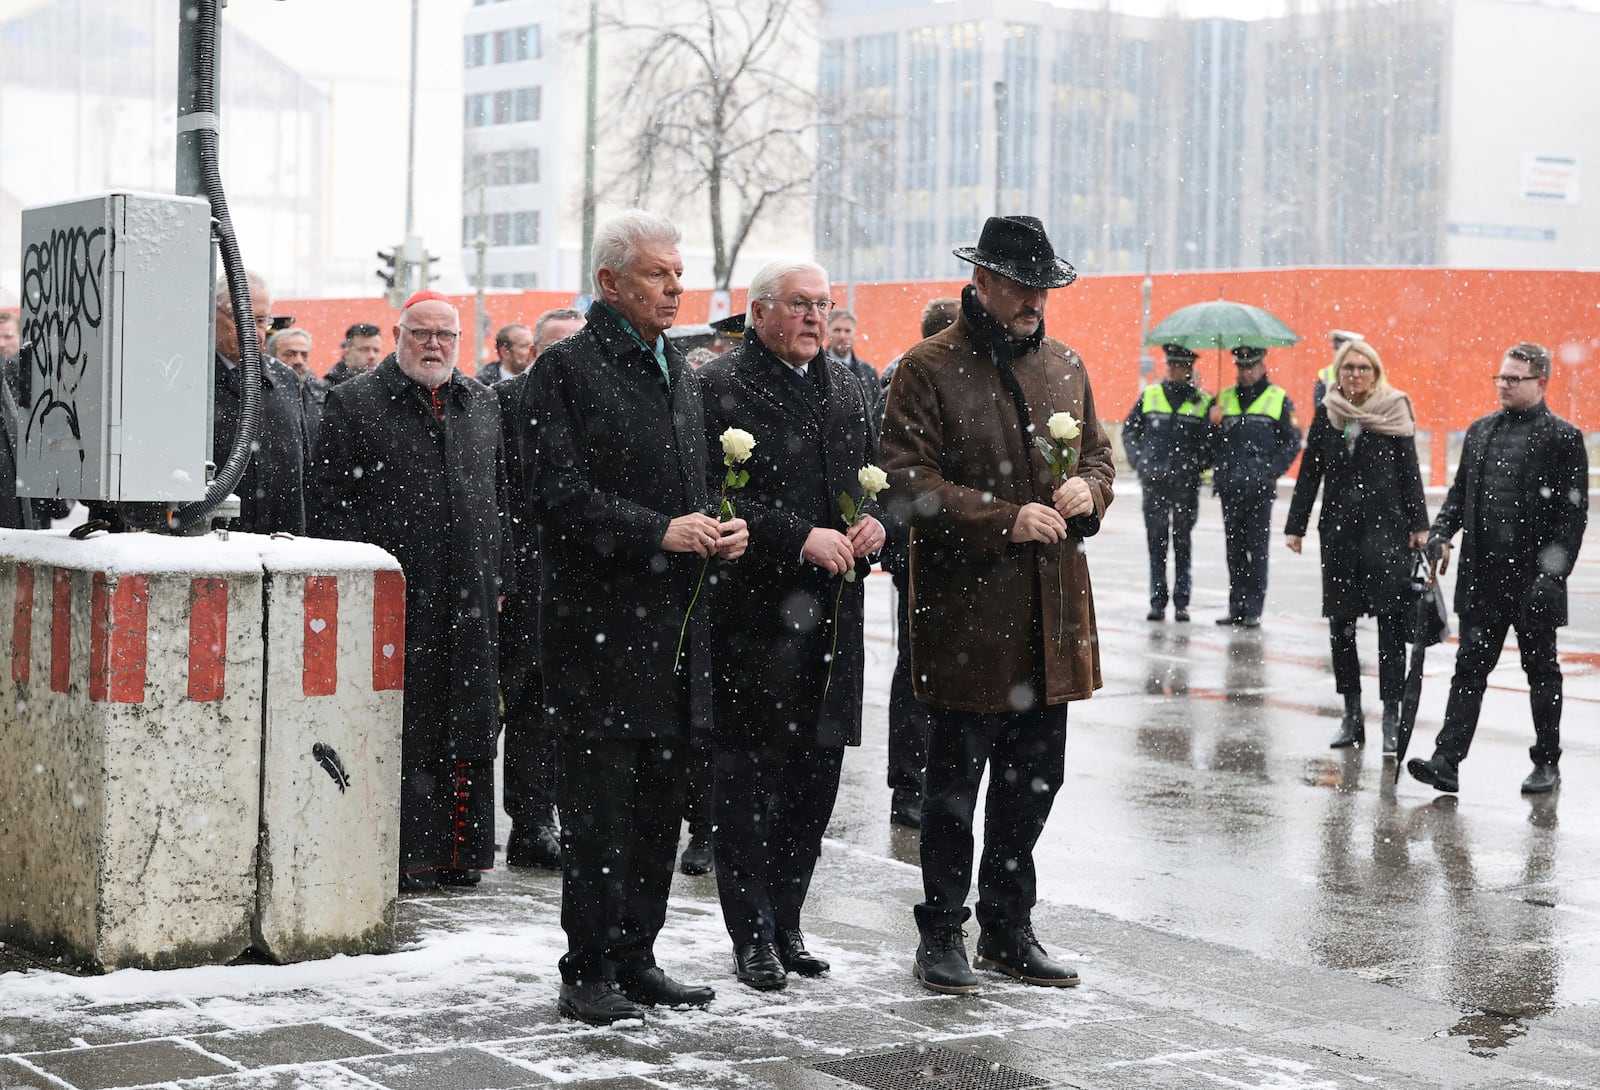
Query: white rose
[
  {"x": 1063, "y": 426},
  {"x": 873, "y": 480},
  {"x": 737, "y": 445}
]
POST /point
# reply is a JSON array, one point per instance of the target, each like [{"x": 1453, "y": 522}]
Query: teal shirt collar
[{"x": 658, "y": 350}]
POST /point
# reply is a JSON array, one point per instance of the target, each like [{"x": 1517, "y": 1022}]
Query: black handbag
[{"x": 1426, "y": 616}]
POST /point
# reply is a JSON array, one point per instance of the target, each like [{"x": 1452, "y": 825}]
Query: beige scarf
[{"x": 1387, "y": 411}]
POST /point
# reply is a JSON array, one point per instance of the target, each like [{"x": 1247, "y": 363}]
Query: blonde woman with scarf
[{"x": 1362, "y": 451}]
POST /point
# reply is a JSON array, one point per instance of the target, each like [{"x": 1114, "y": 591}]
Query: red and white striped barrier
[{"x": 142, "y": 679}]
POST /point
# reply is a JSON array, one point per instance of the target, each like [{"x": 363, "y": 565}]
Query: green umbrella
[{"x": 1221, "y": 325}]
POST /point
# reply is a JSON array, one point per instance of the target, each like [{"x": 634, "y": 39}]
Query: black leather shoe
[
  {"x": 941, "y": 964},
  {"x": 451, "y": 877},
  {"x": 1013, "y": 950},
  {"x": 651, "y": 987},
  {"x": 757, "y": 966},
  {"x": 795, "y": 957},
  {"x": 1180, "y": 615},
  {"x": 1156, "y": 614},
  {"x": 1434, "y": 773},
  {"x": 697, "y": 856},
  {"x": 420, "y": 882},
  {"x": 905, "y": 808},
  {"x": 597, "y": 1002},
  {"x": 1543, "y": 778},
  {"x": 1230, "y": 619},
  {"x": 534, "y": 846}
]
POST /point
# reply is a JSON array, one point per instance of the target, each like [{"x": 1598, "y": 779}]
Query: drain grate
[{"x": 927, "y": 1069}]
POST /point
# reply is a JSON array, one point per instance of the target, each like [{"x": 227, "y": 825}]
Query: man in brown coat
[{"x": 1002, "y": 616}]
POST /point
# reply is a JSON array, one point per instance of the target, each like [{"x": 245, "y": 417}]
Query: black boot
[
  {"x": 1011, "y": 948},
  {"x": 756, "y": 965},
  {"x": 905, "y": 808},
  {"x": 941, "y": 963},
  {"x": 597, "y": 1002},
  {"x": 1437, "y": 772},
  {"x": 1391, "y": 727},
  {"x": 648, "y": 986},
  {"x": 795, "y": 957},
  {"x": 1544, "y": 778},
  {"x": 1353, "y": 727},
  {"x": 697, "y": 857}
]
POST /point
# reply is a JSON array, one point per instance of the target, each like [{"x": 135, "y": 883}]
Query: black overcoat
[
  {"x": 1555, "y": 481},
  {"x": 1372, "y": 503},
  {"x": 773, "y": 623},
  {"x": 15, "y": 514},
  {"x": 519, "y": 619},
  {"x": 616, "y": 454},
  {"x": 272, "y": 490},
  {"x": 429, "y": 490}
]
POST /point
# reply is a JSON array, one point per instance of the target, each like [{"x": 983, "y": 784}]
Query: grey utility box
[{"x": 116, "y": 369}]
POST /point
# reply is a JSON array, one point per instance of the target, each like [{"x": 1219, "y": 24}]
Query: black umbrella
[{"x": 1429, "y": 624}]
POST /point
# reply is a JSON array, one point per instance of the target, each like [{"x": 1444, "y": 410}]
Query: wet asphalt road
[{"x": 1202, "y": 800}]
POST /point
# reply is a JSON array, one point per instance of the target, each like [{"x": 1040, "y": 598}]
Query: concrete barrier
[
  {"x": 133, "y": 716},
  {"x": 330, "y": 785}
]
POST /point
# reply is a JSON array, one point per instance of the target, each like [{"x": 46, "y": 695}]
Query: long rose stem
[{"x": 677, "y": 656}]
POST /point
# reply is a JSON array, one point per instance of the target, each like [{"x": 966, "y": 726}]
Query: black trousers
[
  {"x": 908, "y": 716},
  {"x": 529, "y": 787},
  {"x": 1483, "y": 634},
  {"x": 1170, "y": 511},
  {"x": 1391, "y": 656},
  {"x": 619, "y": 802},
  {"x": 1025, "y": 754},
  {"x": 1247, "y": 532},
  {"x": 771, "y": 807},
  {"x": 697, "y": 788}
]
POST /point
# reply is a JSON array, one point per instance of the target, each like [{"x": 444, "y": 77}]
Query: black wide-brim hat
[{"x": 1017, "y": 248}]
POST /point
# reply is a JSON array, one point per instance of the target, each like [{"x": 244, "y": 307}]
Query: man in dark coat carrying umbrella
[
  {"x": 409, "y": 459},
  {"x": 787, "y": 640},
  {"x": 1520, "y": 499},
  {"x": 618, "y": 478}
]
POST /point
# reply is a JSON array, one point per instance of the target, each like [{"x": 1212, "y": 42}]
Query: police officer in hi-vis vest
[
  {"x": 1168, "y": 439},
  {"x": 1258, "y": 441}
]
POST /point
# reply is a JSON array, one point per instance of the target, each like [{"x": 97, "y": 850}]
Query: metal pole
[
  {"x": 481, "y": 244},
  {"x": 1147, "y": 363},
  {"x": 999, "y": 145},
  {"x": 411, "y": 130},
  {"x": 586, "y": 274},
  {"x": 188, "y": 165}
]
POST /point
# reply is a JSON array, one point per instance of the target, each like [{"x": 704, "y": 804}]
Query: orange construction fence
[{"x": 1441, "y": 332}]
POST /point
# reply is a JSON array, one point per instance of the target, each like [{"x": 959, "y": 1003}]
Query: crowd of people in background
[
  {"x": 642, "y": 572},
  {"x": 1519, "y": 498}
]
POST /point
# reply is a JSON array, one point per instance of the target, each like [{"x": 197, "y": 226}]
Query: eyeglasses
[
  {"x": 1357, "y": 368},
  {"x": 799, "y": 307},
  {"x": 1514, "y": 381},
  {"x": 445, "y": 337}
]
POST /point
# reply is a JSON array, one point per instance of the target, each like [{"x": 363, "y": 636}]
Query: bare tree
[{"x": 718, "y": 106}]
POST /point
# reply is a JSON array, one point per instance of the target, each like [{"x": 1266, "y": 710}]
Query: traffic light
[
  {"x": 394, "y": 274},
  {"x": 428, "y": 276}
]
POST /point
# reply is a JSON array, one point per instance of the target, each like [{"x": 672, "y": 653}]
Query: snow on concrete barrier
[
  {"x": 131, "y": 747},
  {"x": 330, "y": 798}
]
